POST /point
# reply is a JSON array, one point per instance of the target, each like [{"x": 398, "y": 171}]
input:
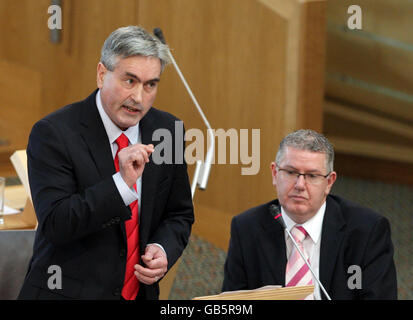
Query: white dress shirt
[
  {"x": 128, "y": 195},
  {"x": 311, "y": 243}
]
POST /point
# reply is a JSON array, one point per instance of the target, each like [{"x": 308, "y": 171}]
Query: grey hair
[
  {"x": 310, "y": 140},
  {"x": 132, "y": 41}
]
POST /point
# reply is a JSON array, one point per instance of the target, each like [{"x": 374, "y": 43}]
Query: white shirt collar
[
  {"x": 312, "y": 226},
  {"x": 112, "y": 130}
]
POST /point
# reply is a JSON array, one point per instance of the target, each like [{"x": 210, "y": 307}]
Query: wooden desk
[
  {"x": 16, "y": 197},
  {"x": 16, "y": 242}
]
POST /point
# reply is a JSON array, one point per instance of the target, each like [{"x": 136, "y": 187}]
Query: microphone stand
[
  {"x": 276, "y": 213},
  {"x": 202, "y": 170},
  {"x": 309, "y": 267}
]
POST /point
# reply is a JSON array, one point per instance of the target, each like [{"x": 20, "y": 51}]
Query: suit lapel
[
  {"x": 273, "y": 246},
  {"x": 331, "y": 240},
  {"x": 96, "y": 138},
  {"x": 147, "y": 127},
  {"x": 274, "y": 249}
]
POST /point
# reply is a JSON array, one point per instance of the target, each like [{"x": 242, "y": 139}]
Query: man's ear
[
  {"x": 330, "y": 181},
  {"x": 100, "y": 74},
  {"x": 273, "y": 172}
]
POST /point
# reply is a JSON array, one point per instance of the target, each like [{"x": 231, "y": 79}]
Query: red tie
[{"x": 131, "y": 283}]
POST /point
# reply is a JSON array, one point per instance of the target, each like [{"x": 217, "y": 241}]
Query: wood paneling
[
  {"x": 375, "y": 101},
  {"x": 369, "y": 60},
  {"x": 369, "y": 95},
  {"x": 387, "y": 171},
  {"x": 20, "y": 102},
  {"x": 68, "y": 68},
  {"x": 312, "y": 63},
  {"x": 63, "y": 72},
  {"x": 251, "y": 64},
  {"x": 237, "y": 73},
  {"x": 390, "y": 19},
  {"x": 367, "y": 119},
  {"x": 249, "y": 67},
  {"x": 373, "y": 66}
]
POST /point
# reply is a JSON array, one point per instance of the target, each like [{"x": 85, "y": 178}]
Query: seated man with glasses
[{"x": 349, "y": 247}]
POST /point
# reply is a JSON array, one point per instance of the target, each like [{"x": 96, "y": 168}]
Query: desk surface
[{"x": 15, "y": 196}]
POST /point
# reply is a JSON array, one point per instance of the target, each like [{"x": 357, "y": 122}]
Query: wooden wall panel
[
  {"x": 251, "y": 64},
  {"x": 372, "y": 66},
  {"x": 369, "y": 95},
  {"x": 66, "y": 72},
  {"x": 19, "y": 104},
  {"x": 390, "y": 19},
  {"x": 68, "y": 68}
]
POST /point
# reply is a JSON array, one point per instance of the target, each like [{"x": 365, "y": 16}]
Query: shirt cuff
[
  {"x": 160, "y": 246},
  {"x": 128, "y": 195}
]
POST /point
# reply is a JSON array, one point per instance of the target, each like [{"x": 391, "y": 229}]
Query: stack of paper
[{"x": 264, "y": 293}]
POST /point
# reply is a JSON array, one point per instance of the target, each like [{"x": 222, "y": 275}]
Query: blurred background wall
[{"x": 273, "y": 65}]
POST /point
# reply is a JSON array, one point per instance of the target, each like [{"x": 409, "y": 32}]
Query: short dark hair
[{"x": 310, "y": 140}]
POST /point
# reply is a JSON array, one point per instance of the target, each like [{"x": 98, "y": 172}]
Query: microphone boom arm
[
  {"x": 275, "y": 211},
  {"x": 308, "y": 265},
  {"x": 202, "y": 170}
]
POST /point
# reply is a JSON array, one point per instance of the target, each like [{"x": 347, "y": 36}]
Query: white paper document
[{"x": 9, "y": 210}]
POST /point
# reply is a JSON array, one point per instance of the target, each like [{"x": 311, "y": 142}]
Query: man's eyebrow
[
  {"x": 132, "y": 76},
  {"x": 137, "y": 78},
  {"x": 292, "y": 168}
]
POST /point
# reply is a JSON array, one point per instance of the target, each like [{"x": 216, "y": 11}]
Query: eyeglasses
[{"x": 311, "y": 178}]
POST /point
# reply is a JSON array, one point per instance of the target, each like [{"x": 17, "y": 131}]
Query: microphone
[
  {"x": 202, "y": 169},
  {"x": 159, "y": 34},
  {"x": 276, "y": 213}
]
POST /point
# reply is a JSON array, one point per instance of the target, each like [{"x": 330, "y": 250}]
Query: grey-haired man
[
  {"x": 110, "y": 219},
  {"x": 348, "y": 246}
]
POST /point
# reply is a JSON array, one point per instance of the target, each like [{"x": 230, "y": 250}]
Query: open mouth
[{"x": 131, "y": 109}]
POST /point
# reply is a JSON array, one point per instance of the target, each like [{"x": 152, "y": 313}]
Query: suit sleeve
[
  {"x": 64, "y": 213},
  {"x": 235, "y": 277},
  {"x": 174, "y": 231},
  {"x": 178, "y": 215},
  {"x": 379, "y": 273}
]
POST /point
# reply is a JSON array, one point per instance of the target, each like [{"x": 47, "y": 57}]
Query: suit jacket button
[
  {"x": 122, "y": 252},
  {"x": 117, "y": 292}
]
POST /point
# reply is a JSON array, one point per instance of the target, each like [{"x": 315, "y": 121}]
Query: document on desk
[{"x": 10, "y": 210}]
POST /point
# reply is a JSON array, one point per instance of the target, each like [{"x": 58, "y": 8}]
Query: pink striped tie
[{"x": 297, "y": 272}]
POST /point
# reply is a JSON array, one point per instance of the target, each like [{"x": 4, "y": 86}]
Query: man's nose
[
  {"x": 137, "y": 94},
  {"x": 300, "y": 182}
]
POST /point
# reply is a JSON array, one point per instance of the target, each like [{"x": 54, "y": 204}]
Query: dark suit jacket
[
  {"x": 81, "y": 214},
  {"x": 351, "y": 235}
]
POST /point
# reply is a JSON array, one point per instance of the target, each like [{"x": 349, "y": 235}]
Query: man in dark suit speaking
[
  {"x": 348, "y": 246},
  {"x": 111, "y": 220}
]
